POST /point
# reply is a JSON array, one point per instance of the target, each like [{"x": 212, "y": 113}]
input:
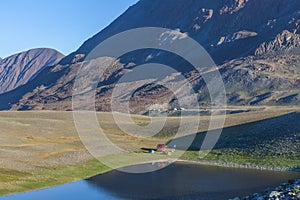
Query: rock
[
  {"x": 297, "y": 182},
  {"x": 287, "y": 191},
  {"x": 275, "y": 194},
  {"x": 278, "y": 188},
  {"x": 282, "y": 42}
]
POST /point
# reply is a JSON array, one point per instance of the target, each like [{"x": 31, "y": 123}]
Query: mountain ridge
[{"x": 20, "y": 68}]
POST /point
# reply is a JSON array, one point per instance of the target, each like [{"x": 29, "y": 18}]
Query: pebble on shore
[{"x": 286, "y": 191}]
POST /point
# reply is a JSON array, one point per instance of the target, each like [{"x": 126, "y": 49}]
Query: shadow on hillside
[
  {"x": 248, "y": 136},
  {"x": 46, "y": 78}
]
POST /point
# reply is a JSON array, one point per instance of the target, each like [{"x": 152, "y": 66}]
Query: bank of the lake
[
  {"x": 242, "y": 166},
  {"x": 288, "y": 191}
]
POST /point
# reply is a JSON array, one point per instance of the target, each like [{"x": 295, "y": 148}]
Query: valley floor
[{"x": 42, "y": 148}]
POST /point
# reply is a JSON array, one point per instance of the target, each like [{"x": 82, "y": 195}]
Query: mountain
[
  {"x": 254, "y": 43},
  {"x": 18, "y": 69}
]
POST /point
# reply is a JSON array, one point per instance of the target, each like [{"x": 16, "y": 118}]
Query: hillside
[
  {"x": 18, "y": 69},
  {"x": 254, "y": 42}
]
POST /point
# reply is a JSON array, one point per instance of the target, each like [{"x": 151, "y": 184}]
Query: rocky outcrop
[
  {"x": 284, "y": 42},
  {"x": 272, "y": 80},
  {"x": 233, "y": 6},
  {"x": 20, "y": 68},
  {"x": 236, "y": 36},
  {"x": 287, "y": 191}
]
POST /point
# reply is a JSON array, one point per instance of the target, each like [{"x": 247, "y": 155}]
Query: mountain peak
[{"x": 18, "y": 69}]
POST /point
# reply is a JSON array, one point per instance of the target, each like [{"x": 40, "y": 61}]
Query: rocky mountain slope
[
  {"x": 254, "y": 43},
  {"x": 20, "y": 68}
]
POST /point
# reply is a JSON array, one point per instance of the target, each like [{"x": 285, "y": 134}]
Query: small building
[{"x": 161, "y": 147}]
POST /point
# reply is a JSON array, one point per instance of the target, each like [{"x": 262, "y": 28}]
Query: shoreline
[
  {"x": 207, "y": 163},
  {"x": 240, "y": 166},
  {"x": 217, "y": 164}
]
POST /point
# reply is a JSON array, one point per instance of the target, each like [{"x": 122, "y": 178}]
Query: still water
[{"x": 178, "y": 181}]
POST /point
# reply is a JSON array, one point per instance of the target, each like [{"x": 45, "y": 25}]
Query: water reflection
[{"x": 189, "y": 181}]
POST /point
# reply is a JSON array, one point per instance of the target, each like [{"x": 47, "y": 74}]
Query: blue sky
[{"x": 60, "y": 24}]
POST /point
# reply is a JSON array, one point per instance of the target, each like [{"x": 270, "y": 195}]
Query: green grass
[
  {"x": 48, "y": 176},
  {"x": 7, "y": 175},
  {"x": 297, "y": 191}
]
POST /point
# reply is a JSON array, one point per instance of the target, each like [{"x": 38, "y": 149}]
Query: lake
[{"x": 177, "y": 181}]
